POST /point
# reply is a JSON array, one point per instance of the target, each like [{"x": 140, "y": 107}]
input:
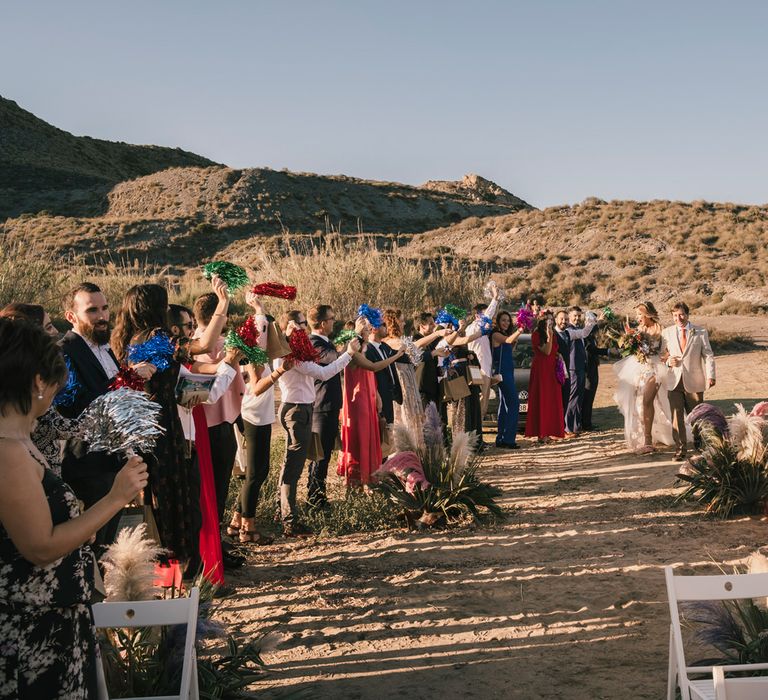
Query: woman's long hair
[
  {"x": 650, "y": 310},
  {"x": 392, "y": 318},
  {"x": 497, "y": 323},
  {"x": 144, "y": 309},
  {"x": 34, "y": 313},
  {"x": 541, "y": 327}
]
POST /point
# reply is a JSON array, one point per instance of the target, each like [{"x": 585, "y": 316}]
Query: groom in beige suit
[{"x": 687, "y": 353}]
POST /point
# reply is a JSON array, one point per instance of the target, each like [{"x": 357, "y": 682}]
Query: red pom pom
[
  {"x": 248, "y": 332},
  {"x": 301, "y": 346},
  {"x": 127, "y": 377},
  {"x": 275, "y": 289}
]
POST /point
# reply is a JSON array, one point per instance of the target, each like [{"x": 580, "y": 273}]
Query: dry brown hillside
[
  {"x": 715, "y": 255},
  {"x": 43, "y": 168}
]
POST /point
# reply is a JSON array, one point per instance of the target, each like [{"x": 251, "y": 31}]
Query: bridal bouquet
[{"x": 631, "y": 342}]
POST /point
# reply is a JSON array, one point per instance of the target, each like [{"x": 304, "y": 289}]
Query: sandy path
[{"x": 565, "y": 600}]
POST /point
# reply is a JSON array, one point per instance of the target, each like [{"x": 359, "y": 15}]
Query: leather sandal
[
  {"x": 254, "y": 537},
  {"x": 233, "y": 530}
]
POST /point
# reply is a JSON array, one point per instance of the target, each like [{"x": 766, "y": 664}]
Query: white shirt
[
  {"x": 298, "y": 384},
  {"x": 224, "y": 376},
  {"x": 102, "y": 355},
  {"x": 482, "y": 346},
  {"x": 260, "y": 410}
]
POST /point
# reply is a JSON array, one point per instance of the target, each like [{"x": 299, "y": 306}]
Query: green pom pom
[
  {"x": 234, "y": 276},
  {"x": 608, "y": 314},
  {"x": 456, "y": 311},
  {"x": 344, "y": 337},
  {"x": 255, "y": 355}
]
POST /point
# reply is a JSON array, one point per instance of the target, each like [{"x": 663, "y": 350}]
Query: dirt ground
[{"x": 566, "y": 599}]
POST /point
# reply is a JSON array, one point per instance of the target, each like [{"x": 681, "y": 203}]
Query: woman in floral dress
[{"x": 48, "y": 647}]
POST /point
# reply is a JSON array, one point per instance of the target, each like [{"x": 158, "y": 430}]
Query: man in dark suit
[
  {"x": 88, "y": 355},
  {"x": 594, "y": 353},
  {"x": 387, "y": 383},
  {"x": 564, "y": 348},
  {"x": 328, "y": 402}
]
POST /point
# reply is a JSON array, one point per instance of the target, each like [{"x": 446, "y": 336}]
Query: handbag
[
  {"x": 455, "y": 389},
  {"x": 277, "y": 343},
  {"x": 475, "y": 376}
]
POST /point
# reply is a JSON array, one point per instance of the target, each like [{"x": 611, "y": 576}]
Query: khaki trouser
[{"x": 682, "y": 402}]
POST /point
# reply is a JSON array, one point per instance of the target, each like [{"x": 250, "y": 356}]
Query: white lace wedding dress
[{"x": 633, "y": 377}]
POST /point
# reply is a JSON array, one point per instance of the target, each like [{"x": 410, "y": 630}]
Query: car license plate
[{"x": 523, "y": 408}]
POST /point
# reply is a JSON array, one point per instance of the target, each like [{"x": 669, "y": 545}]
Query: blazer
[
  {"x": 328, "y": 395},
  {"x": 698, "y": 365},
  {"x": 387, "y": 383},
  {"x": 78, "y": 462}
]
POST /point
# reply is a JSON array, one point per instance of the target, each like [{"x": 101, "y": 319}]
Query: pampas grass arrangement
[
  {"x": 129, "y": 565},
  {"x": 730, "y": 476}
]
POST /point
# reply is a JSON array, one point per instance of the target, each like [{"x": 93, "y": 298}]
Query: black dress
[
  {"x": 48, "y": 642},
  {"x": 174, "y": 484}
]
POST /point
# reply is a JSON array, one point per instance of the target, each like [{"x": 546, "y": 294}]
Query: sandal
[
  {"x": 233, "y": 529},
  {"x": 254, "y": 537},
  {"x": 646, "y": 450}
]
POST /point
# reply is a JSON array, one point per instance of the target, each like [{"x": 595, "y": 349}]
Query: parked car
[{"x": 523, "y": 354}]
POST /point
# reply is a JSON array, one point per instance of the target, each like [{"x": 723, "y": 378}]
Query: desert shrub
[{"x": 29, "y": 275}]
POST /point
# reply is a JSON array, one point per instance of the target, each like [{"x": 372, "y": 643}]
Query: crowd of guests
[{"x": 62, "y": 499}]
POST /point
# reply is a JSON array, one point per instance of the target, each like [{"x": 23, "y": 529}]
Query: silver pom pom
[
  {"x": 414, "y": 353},
  {"x": 122, "y": 421},
  {"x": 488, "y": 291}
]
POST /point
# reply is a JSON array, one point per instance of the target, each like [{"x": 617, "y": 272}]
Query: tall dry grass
[{"x": 337, "y": 272}]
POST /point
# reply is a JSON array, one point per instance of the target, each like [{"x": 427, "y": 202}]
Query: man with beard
[{"x": 89, "y": 357}]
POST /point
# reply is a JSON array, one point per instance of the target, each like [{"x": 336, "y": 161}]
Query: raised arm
[
  {"x": 581, "y": 333},
  {"x": 360, "y": 360},
  {"x": 206, "y": 343}
]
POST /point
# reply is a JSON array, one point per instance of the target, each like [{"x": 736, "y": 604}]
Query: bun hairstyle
[{"x": 649, "y": 310}]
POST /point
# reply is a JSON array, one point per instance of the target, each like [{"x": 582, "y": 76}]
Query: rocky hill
[
  {"x": 101, "y": 199},
  {"x": 45, "y": 168},
  {"x": 713, "y": 255}
]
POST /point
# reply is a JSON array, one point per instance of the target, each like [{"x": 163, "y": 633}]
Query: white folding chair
[
  {"x": 698, "y": 588},
  {"x": 157, "y": 613},
  {"x": 738, "y": 688}
]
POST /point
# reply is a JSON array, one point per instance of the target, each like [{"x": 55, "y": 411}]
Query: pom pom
[
  {"x": 413, "y": 352},
  {"x": 301, "y": 346},
  {"x": 490, "y": 287},
  {"x": 608, "y": 314},
  {"x": 127, "y": 377},
  {"x": 456, "y": 311},
  {"x": 68, "y": 393},
  {"x": 234, "y": 276},
  {"x": 158, "y": 350},
  {"x": 560, "y": 373},
  {"x": 444, "y": 318},
  {"x": 484, "y": 324},
  {"x": 372, "y": 314},
  {"x": 525, "y": 319},
  {"x": 275, "y": 289},
  {"x": 246, "y": 339},
  {"x": 344, "y": 337},
  {"x": 121, "y": 421}
]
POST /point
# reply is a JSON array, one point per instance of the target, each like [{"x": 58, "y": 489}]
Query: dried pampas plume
[
  {"x": 462, "y": 448},
  {"x": 129, "y": 565},
  {"x": 747, "y": 435},
  {"x": 758, "y": 564},
  {"x": 403, "y": 439}
]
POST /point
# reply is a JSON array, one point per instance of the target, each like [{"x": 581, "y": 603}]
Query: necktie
[{"x": 684, "y": 341}]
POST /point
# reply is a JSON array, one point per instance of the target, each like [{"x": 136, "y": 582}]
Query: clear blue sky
[{"x": 555, "y": 101}]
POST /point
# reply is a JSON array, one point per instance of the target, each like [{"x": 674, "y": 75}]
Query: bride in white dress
[{"x": 645, "y": 409}]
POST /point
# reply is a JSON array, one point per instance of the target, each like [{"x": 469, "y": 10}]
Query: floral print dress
[{"x": 47, "y": 638}]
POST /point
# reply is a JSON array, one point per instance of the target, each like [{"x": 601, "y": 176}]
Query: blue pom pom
[
  {"x": 443, "y": 318},
  {"x": 485, "y": 324},
  {"x": 158, "y": 350},
  {"x": 372, "y": 314},
  {"x": 68, "y": 393}
]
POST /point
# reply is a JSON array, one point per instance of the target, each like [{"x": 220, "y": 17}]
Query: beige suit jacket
[{"x": 698, "y": 365}]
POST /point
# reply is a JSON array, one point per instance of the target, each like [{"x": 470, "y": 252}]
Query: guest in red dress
[
  {"x": 360, "y": 453},
  {"x": 545, "y": 407}
]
